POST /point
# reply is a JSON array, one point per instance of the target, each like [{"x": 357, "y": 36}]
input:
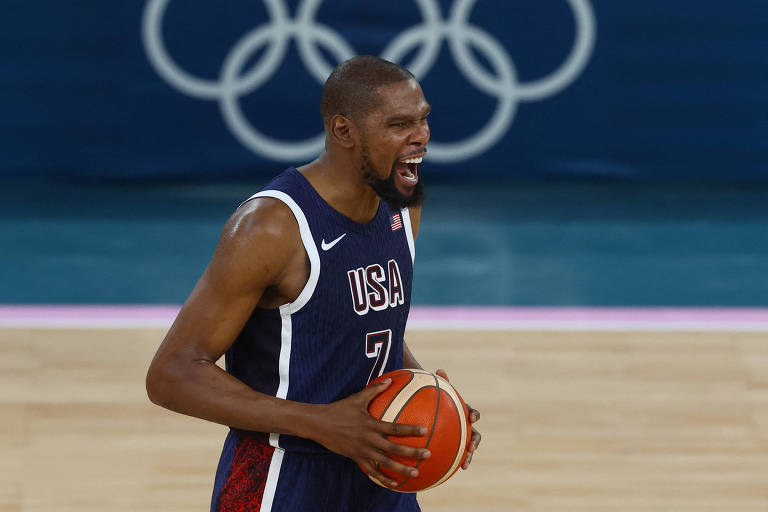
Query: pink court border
[{"x": 423, "y": 317}]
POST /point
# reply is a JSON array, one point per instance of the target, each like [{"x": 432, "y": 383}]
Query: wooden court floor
[{"x": 571, "y": 421}]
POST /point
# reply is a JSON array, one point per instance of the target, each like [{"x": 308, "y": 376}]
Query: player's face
[{"x": 394, "y": 141}]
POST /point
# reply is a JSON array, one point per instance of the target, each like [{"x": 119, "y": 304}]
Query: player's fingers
[
  {"x": 474, "y": 414},
  {"x": 404, "y": 450},
  {"x": 372, "y": 469},
  {"x": 392, "y": 464},
  {"x": 475, "y": 442},
  {"x": 370, "y": 393},
  {"x": 442, "y": 373},
  {"x": 399, "y": 429}
]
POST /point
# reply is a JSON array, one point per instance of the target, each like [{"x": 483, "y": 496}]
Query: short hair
[{"x": 351, "y": 89}]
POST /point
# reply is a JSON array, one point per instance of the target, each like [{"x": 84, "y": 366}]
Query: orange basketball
[{"x": 418, "y": 397}]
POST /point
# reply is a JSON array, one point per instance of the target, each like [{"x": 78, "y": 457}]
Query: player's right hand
[{"x": 346, "y": 427}]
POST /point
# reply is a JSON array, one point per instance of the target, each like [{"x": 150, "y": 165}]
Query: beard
[{"x": 386, "y": 188}]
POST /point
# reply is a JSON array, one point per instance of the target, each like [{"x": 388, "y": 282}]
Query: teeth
[{"x": 416, "y": 160}]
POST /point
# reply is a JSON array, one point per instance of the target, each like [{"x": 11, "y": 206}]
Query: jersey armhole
[
  {"x": 309, "y": 246},
  {"x": 405, "y": 213}
]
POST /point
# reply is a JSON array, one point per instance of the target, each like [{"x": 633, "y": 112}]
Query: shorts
[{"x": 254, "y": 476}]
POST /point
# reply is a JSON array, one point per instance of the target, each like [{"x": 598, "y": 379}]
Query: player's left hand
[{"x": 474, "y": 415}]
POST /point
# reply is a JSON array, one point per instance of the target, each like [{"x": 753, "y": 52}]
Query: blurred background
[
  {"x": 597, "y": 199},
  {"x": 584, "y": 152}
]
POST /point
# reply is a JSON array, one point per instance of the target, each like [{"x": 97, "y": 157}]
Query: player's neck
[{"x": 343, "y": 187}]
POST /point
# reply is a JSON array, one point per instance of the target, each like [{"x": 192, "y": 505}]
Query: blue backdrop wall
[{"x": 652, "y": 90}]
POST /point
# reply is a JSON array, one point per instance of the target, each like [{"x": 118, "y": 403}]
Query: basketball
[{"x": 418, "y": 397}]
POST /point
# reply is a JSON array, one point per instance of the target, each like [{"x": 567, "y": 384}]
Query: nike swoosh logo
[{"x": 327, "y": 246}]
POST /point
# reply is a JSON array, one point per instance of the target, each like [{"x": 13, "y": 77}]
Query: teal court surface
[{"x": 569, "y": 243}]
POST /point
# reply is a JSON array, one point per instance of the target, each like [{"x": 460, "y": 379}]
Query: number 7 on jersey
[{"x": 377, "y": 346}]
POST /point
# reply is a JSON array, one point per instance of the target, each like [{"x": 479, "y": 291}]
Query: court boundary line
[{"x": 451, "y": 318}]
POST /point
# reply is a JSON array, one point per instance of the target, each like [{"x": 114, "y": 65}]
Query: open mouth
[{"x": 408, "y": 170}]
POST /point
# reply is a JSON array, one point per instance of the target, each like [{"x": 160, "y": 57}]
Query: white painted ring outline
[{"x": 309, "y": 33}]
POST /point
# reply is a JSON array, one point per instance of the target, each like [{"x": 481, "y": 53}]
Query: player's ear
[{"x": 343, "y": 131}]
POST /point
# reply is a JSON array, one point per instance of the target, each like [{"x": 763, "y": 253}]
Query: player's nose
[{"x": 421, "y": 134}]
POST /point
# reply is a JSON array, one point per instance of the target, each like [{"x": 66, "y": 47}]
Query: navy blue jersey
[
  {"x": 347, "y": 325},
  {"x": 345, "y": 328}
]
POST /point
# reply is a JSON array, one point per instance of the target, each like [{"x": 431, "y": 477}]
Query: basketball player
[{"x": 308, "y": 294}]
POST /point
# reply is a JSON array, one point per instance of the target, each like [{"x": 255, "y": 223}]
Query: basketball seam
[
  {"x": 432, "y": 431},
  {"x": 413, "y": 395},
  {"x": 457, "y": 402},
  {"x": 384, "y": 412},
  {"x": 386, "y": 409}
]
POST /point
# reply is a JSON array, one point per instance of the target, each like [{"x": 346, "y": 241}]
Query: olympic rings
[{"x": 310, "y": 35}]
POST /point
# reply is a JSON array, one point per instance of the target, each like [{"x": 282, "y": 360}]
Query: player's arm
[
  {"x": 254, "y": 250},
  {"x": 414, "y": 212},
  {"x": 257, "y": 252},
  {"x": 409, "y": 361}
]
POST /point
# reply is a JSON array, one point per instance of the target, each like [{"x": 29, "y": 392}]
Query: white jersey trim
[
  {"x": 284, "y": 363},
  {"x": 405, "y": 213},
  {"x": 309, "y": 246},
  {"x": 271, "y": 484},
  {"x": 286, "y": 310}
]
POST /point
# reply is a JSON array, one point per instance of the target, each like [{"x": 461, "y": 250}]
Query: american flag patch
[{"x": 397, "y": 222}]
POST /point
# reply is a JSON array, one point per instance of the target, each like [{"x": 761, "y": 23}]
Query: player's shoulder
[
  {"x": 414, "y": 212},
  {"x": 261, "y": 218}
]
